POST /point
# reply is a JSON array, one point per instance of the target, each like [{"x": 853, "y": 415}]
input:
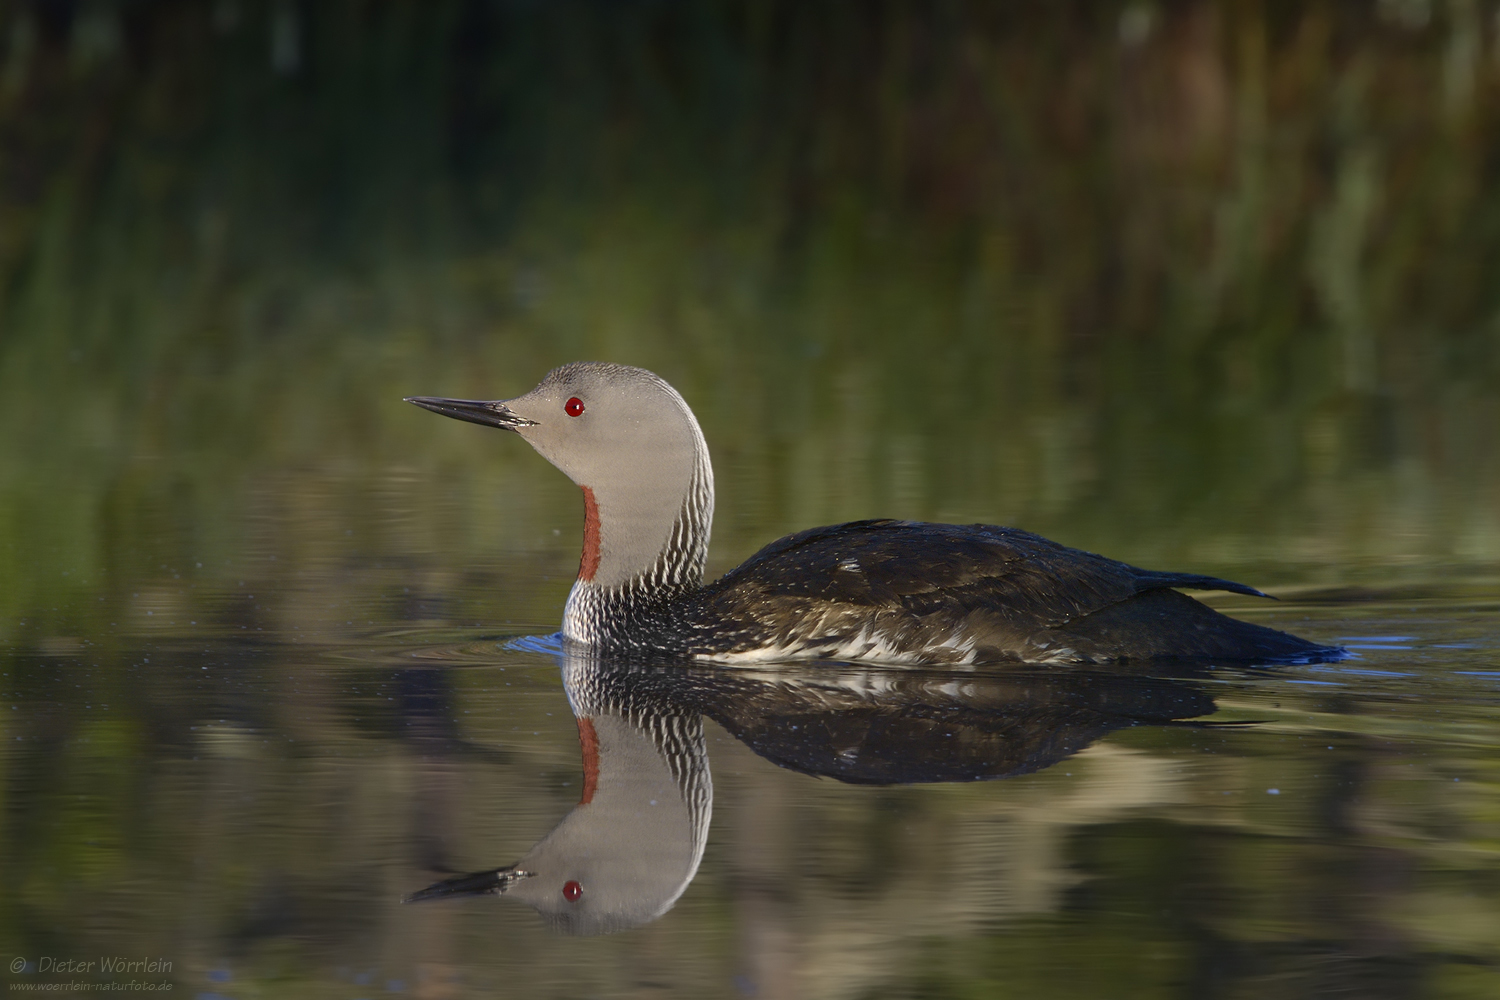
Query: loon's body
[{"x": 889, "y": 591}]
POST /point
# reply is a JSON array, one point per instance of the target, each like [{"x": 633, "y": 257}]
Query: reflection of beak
[
  {"x": 493, "y": 413},
  {"x": 490, "y": 883}
]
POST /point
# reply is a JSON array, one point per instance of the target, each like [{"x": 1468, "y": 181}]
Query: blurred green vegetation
[{"x": 1212, "y": 282}]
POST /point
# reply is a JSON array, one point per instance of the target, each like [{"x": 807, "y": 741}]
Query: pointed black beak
[
  {"x": 476, "y": 411},
  {"x": 490, "y": 883}
]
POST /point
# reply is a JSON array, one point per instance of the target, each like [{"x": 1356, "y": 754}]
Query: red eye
[
  {"x": 573, "y": 408},
  {"x": 572, "y": 890}
]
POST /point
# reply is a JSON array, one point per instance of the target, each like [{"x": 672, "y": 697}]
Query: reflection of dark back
[
  {"x": 630, "y": 847},
  {"x": 883, "y": 727}
]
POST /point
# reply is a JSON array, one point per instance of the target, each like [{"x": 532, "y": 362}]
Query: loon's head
[{"x": 631, "y": 442}]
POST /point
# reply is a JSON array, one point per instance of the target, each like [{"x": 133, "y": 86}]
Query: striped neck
[{"x": 613, "y": 599}]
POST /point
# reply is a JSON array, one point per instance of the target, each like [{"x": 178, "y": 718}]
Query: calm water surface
[{"x": 249, "y": 796}]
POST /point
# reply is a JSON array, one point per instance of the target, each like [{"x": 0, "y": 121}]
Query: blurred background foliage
[{"x": 1212, "y": 283}]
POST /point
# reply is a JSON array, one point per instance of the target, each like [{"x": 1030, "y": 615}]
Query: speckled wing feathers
[
  {"x": 878, "y": 589},
  {"x": 922, "y": 566}
]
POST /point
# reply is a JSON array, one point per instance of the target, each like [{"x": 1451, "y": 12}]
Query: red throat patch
[
  {"x": 588, "y": 565},
  {"x": 589, "y": 740}
]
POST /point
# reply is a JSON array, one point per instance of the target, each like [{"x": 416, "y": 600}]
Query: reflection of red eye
[
  {"x": 574, "y": 408},
  {"x": 572, "y": 890}
]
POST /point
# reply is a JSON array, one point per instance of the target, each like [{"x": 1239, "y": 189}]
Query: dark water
[
  {"x": 1205, "y": 287},
  {"x": 249, "y": 795}
]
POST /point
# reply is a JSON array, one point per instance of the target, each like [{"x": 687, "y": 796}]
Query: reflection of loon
[
  {"x": 630, "y": 847},
  {"x": 870, "y": 725},
  {"x": 892, "y": 591},
  {"x": 632, "y": 844}
]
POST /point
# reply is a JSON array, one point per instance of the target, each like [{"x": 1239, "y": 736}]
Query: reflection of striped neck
[
  {"x": 675, "y": 731},
  {"x": 599, "y": 612}
]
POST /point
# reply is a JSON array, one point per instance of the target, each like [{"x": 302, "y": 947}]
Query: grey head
[
  {"x": 632, "y": 443},
  {"x": 628, "y": 850}
]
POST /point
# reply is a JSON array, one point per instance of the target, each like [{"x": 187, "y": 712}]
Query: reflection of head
[
  {"x": 630, "y": 847},
  {"x": 628, "y": 850}
]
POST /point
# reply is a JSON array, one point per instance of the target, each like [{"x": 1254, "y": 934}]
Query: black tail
[{"x": 1146, "y": 579}]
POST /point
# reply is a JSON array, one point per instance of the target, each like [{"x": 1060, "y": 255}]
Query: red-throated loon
[{"x": 886, "y": 591}]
